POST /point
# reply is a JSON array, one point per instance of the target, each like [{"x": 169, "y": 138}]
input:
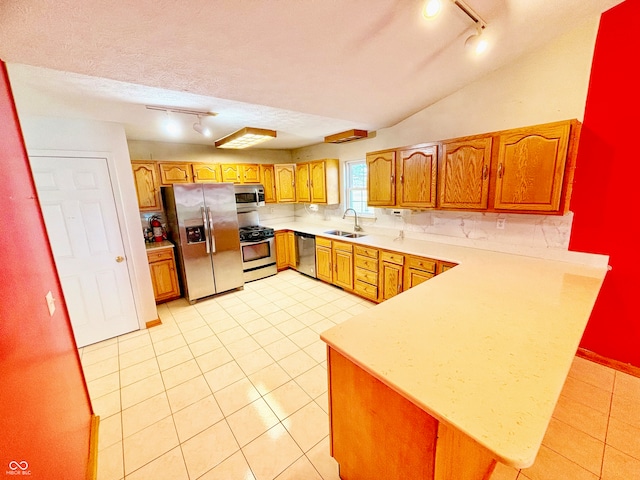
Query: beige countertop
[
  {"x": 158, "y": 245},
  {"x": 485, "y": 347}
]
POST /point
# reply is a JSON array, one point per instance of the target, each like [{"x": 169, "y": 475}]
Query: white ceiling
[{"x": 306, "y": 68}]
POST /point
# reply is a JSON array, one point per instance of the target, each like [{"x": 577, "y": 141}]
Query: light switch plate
[
  {"x": 500, "y": 223},
  {"x": 51, "y": 303}
]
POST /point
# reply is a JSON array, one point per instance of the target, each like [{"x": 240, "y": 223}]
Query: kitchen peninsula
[{"x": 460, "y": 371}]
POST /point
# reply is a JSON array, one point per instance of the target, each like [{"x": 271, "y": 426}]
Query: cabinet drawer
[
  {"x": 366, "y": 290},
  {"x": 164, "y": 254},
  {"x": 366, "y": 252},
  {"x": 323, "y": 242},
  {"x": 366, "y": 276},
  {"x": 396, "y": 258},
  {"x": 367, "y": 263},
  {"x": 420, "y": 263},
  {"x": 345, "y": 247}
]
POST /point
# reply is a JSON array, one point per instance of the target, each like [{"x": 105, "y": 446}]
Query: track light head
[
  {"x": 201, "y": 129},
  {"x": 477, "y": 43}
]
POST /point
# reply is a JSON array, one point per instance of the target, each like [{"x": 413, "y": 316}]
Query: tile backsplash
[{"x": 492, "y": 231}]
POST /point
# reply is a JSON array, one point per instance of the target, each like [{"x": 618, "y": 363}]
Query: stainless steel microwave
[{"x": 249, "y": 197}]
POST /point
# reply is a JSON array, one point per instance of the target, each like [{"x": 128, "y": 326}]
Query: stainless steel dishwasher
[{"x": 306, "y": 254}]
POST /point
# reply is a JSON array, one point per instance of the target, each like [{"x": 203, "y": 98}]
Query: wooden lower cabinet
[
  {"x": 282, "y": 247},
  {"x": 342, "y": 256},
  {"x": 391, "y": 275},
  {"x": 375, "y": 432},
  {"x": 285, "y": 249},
  {"x": 164, "y": 278},
  {"x": 418, "y": 270},
  {"x": 324, "y": 270},
  {"x": 366, "y": 272},
  {"x": 444, "y": 266}
]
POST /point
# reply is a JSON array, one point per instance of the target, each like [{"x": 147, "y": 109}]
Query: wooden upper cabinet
[
  {"x": 240, "y": 172},
  {"x": 230, "y": 172},
  {"x": 530, "y": 168},
  {"x": 464, "y": 174},
  {"x": 145, "y": 177},
  {"x": 250, "y": 173},
  {"x": 303, "y": 185},
  {"x": 381, "y": 172},
  {"x": 268, "y": 181},
  {"x": 318, "y": 181},
  {"x": 416, "y": 179},
  {"x": 206, "y": 172},
  {"x": 285, "y": 175},
  {"x": 173, "y": 172},
  {"x": 325, "y": 181}
]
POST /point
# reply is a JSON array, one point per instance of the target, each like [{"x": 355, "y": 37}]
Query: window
[{"x": 356, "y": 186}]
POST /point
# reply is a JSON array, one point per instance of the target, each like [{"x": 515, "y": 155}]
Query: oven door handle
[
  {"x": 249, "y": 242},
  {"x": 211, "y": 231},
  {"x": 206, "y": 228}
]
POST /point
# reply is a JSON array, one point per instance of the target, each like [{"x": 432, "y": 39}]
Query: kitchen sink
[{"x": 346, "y": 234}]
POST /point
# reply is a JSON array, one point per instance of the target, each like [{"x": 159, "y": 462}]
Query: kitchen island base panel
[{"x": 378, "y": 433}]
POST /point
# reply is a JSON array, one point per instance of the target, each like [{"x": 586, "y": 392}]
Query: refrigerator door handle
[
  {"x": 206, "y": 228},
  {"x": 211, "y": 232}
]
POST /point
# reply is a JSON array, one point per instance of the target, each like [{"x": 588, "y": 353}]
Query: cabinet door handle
[
  {"x": 500, "y": 170},
  {"x": 485, "y": 171},
  {"x": 402, "y": 179},
  {"x": 393, "y": 178}
]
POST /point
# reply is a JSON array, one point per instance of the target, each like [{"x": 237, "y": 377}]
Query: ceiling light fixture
[
  {"x": 432, "y": 8},
  {"x": 347, "y": 136},
  {"x": 245, "y": 137},
  {"x": 174, "y": 128},
  {"x": 476, "y": 43},
  {"x": 201, "y": 129},
  {"x": 171, "y": 125}
]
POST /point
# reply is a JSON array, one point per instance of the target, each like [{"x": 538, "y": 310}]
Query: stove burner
[{"x": 255, "y": 232}]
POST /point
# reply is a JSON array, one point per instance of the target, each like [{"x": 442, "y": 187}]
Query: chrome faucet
[{"x": 356, "y": 227}]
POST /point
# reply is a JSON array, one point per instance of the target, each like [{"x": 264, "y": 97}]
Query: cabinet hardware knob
[
  {"x": 119, "y": 259},
  {"x": 500, "y": 170},
  {"x": 484, "y": 172}
]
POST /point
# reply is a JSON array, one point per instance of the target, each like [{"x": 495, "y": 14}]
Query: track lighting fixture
[
  {"x": 476, "y": 43},
  {"x": 201, "y": 129},
  {"x": 174, "y": 128}
]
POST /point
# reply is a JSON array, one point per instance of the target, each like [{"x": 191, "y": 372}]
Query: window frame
[{"x": 348, "y": 188}]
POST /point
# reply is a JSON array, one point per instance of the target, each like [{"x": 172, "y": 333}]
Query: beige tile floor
[{"x": 234, "y": 388}]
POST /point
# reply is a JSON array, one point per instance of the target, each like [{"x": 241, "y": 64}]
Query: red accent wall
[
  {"x": 45, "y": 410},
  {"x": 607, "y": 183}
]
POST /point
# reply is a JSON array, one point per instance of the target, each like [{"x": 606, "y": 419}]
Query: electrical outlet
[
  {"x": 500, "y": 223},
  {"x": 50, "y": 302}
]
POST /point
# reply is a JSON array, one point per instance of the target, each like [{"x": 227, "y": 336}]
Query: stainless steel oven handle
[
  {"x": 206, "y": 229},
  {"x": 213, "y": 239}
]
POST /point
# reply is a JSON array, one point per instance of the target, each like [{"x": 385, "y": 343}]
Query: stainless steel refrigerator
[{"x": 203, "y": 223}]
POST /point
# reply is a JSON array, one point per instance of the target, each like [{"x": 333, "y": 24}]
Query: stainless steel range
[{"x": 258, "y": 248}]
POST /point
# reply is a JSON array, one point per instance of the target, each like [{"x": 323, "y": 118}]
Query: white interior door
[{"x": 82, "y": 223}]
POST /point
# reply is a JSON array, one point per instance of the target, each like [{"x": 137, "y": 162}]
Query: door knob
[{"x": 119, "y": 259}]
